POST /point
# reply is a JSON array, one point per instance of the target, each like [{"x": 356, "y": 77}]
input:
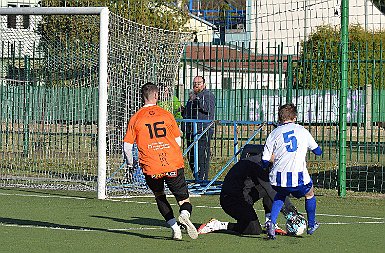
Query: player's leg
[
  {"x": 267, "y": 206},
  {"x": 278, "y": 202},
  {"x": 310, "y": 207},
  {"x": 178, "y": 186},
  {"x": 267, "y": 193},
  {"x": 212, "y": 225},
  {"x": 244, "y": 213},
  {"x": 164, "y": 207},
  {"x": 246, "y": 227},
  {"x": 231, "y": 206}
]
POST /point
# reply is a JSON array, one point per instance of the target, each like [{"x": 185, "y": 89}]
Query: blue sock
[
  {"x": 277, "y": 206},
  {"x": 310, "y": 206}
]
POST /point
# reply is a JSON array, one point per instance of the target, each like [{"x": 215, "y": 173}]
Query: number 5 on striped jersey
[{"x": 292, "y": 140}]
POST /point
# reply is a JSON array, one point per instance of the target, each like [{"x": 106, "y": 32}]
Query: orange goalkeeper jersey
[{"x": 154, "y": 130}]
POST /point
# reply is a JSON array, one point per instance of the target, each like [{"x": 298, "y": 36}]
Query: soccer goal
[{"x": 70, "y": 78}]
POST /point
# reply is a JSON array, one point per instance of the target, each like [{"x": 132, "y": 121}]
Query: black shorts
[{"x": 176, "y": 183}]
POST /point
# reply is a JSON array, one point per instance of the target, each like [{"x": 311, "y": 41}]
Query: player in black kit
[{"x": 246, "y": 183}]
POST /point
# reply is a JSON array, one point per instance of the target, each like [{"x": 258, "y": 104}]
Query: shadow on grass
[
  {"x": 136, "y": 220},
  {"x": 141, "y": 221},
  {"x": 61, "y": 193},
  {"x": 50, "y": 225}
]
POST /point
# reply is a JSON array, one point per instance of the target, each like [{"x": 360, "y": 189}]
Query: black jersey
[{"x": 244, "y": 177}]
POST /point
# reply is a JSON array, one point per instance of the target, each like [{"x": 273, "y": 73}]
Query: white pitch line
[
  {"x": 350, "y": 216},
  {"x": 45, "y": 227},
  {"x": 145, "y": 228},
  {"x": 318, "y": 214},
  {"x": 200, "y": 206},
  {"x": 210, "y": 207},
  {"x": 351, "y": 223},
  {"x": 141, "y": 228}
]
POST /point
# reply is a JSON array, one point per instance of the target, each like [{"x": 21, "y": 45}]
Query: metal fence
[
  {"x": 337, "y": 83},
  {"x": 251, "y": 87},
  {"x": 24, "y": 106}
]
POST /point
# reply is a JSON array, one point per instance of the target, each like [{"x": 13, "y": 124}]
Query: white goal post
[{"x": 51, "y": 141}]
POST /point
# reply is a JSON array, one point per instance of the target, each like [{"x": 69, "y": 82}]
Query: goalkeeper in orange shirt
[{"x": 157, "y": 136}]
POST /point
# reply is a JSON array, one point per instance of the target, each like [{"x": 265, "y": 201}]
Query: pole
[
  {"x": 343, "y": 97},
  {"x": 102, "y": 118},
  {"x": 289, "y": 80},
  {"x": 27, "y": 107}
]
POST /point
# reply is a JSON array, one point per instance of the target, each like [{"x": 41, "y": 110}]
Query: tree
[
  {"x": 319, "y": 64},
  {"x": 165, "y": 14},
  {"x": 59, "y": 32}
]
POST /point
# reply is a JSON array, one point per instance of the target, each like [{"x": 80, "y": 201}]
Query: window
[
  {"x": 11, "y": 19},
  {"x": 14, "y": 21},
  {"x": 25, "y": 19}
]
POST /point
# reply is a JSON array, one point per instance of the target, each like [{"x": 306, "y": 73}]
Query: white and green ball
[{"x": 296, "y": 225}]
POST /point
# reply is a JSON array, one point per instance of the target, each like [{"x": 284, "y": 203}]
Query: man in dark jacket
[{"x": 201, "y": 106}]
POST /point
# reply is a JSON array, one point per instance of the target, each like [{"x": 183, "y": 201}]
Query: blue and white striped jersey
[{"x": 289, "y": 143}]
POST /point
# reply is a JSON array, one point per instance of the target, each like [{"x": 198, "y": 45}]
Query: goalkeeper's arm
[{"x": 127, "y": 151}]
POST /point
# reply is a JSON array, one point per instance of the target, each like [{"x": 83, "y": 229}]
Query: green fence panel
[
  {"x": 314, "y": 106},
  {"x": 378, "y": 106},
  {"x": 80, "y": 104},
  {"x": 49, "y": 104}
]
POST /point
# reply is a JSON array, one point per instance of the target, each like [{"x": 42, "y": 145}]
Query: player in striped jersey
[
  {"x": 157, "y": 136},
  {"x": 286, "y": 147}
]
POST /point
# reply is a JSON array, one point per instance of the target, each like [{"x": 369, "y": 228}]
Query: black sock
[
  {"x": 186, "y": 206},
  {"x": 164, "y": 207}
]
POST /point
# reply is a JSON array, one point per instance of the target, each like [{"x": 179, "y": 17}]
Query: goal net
[{"x": 51, "y": 89}]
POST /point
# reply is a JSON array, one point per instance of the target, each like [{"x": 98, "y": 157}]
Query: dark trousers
[
  {"x": 242, "y": 209},
  {"x": 203, "y": 155},
  {"x": 244, "y": 213},
  {"x": 268, "y": 198}
]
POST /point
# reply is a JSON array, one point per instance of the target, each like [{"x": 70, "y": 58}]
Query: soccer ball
[{"x": 295, "y": 224}]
